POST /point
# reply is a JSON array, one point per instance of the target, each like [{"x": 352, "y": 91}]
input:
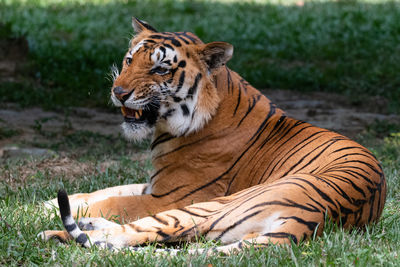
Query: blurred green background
[{"x": 347, "y": 47}]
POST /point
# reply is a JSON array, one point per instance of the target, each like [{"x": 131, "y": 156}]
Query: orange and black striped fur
[{"x": 229, "y": 165}]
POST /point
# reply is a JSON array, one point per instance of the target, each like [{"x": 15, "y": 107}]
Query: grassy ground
[
  {"x": 350, "y": 47},
  {"x": 26, "y": 183}
]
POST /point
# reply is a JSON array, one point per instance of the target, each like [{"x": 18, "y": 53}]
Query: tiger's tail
[{"x": 69, "y": 223}]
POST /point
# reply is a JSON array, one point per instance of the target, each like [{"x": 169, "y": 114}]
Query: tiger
[{"x": 229, "y": 165}]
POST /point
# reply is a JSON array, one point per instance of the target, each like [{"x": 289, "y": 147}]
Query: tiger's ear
[
  {"x": 216, "y": 54},
  {"x": 140, "y": 26}
]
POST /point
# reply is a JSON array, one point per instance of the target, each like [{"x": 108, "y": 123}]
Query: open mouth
[
  {"x": 148, "y": 114},
  {"x": 132, "y": 115}
]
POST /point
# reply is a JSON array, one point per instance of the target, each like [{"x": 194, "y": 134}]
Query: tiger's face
[{"x": 166, "y": 82}]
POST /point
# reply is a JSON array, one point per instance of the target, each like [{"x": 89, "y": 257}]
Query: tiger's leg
[
  {"x": 227, "y": 219},
  {"x": 81, "y": 201},
  {"x": 290, "y": 209},
  {"x": 168, "y": 226},
  {"x": 294, "y": 208},
  {"x": 253, "y": 212}
]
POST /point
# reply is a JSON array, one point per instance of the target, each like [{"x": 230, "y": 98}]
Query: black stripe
[
  {"x": 158, "y": 172},
  {"x": 183, "y": 39},
  {"x": 192, "y": 90},
  {"x": 161, "y": 139},
  {"x": 320, "y": 192},
  {"x": 70, "y": 227},
  {"x": 263, "y": 125},
  {"x": 166, "y": 194},
  {"x": 168, "y": 113},
  {"x": 284, "y": 204},
  {"x": 173, "y": 40},
  {"x": 230, "y": 183},
  {"x": 144, "y": 189},
  {"x": 281, "y": 145},
  {"x": 236, "y": 207},
  {"x": 291, "y": 153},
  {"x": 169, "y": 46},
  {"x": 183, "y": 146},
  {"x": 181, "y": 81},
  {"x": 236, "y": 224},
  {"x": 158, "y": 219},
  {"x": 187, "y": 36},
  {"x": 192, "y": 213},
  {"x": 163, "y": 235},
  {"x": 317, "y": 156},
  {"x": 310, "y": 225},
  {"x": 335, "y": 187},
  {"x": 185, "y": 110},
  {"x": 282, "y": 235},
  {"x": 279, "y": 126},
  {"x": 347, "y": 180},
  {"x": 181, "y": 63},
  {"x": 164, "y": 52},
  {"x": 285, "y": 182},
  {"x": 176, "y": 221},
  {"x": 238, "y": 100},
  {"x": 229, "y": 79},
  {"x": 252, "y": 103},
  {"x": 304, "y": 157},
  {"x": 81, "y": 239},
  {"x": 177, "y": 99}
]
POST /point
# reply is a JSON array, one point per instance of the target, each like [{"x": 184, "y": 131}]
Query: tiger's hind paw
[{"x": 88, "y": 224}]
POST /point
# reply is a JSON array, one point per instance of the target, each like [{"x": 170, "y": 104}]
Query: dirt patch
[
  {"x": 329, "y": 111},
  {"x": 332, "y": 111},
  {"x": 30, "y": 122},
  {"x": 56, "y": 167}
]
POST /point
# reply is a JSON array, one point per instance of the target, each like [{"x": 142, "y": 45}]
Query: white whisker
[{"x": 114, "y": 72}]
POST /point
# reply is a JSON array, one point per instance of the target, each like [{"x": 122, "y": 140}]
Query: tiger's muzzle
[
  {"x": 136, "y": 114},
  {"x": 148, "y": 114}
]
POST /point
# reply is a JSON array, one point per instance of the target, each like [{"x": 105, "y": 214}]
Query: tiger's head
[{"x": 166, "y": 82}]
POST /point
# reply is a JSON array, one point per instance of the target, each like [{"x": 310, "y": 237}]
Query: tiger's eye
[
  {"x": 160, "y": 70},
  {"x": 128, "y": 61}
]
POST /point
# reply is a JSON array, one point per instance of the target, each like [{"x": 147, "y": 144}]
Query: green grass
[
  {"x": 348, "y": 47},
  {"x": 22, "y": 218}
]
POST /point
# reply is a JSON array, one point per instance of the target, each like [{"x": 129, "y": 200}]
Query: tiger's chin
[
  {"x": 136, "y": 132},
  {"x": 139, "y": 123}
]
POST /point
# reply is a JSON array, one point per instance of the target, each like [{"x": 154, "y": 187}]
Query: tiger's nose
[
  {"x": 118, "y": 90},
  {"x": 121, "y": 94}
]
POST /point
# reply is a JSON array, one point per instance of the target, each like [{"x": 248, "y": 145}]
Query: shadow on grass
[{"x": 348, "y": 47}]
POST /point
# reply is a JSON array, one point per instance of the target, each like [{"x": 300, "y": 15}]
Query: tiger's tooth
[
  {"x": 137, "y": 116},
  {"x": 123, "y": 111},
  {"x": 140, "y": 112}
]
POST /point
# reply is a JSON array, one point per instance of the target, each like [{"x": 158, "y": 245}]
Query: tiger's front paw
[{"x": 61, "y": 236}]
